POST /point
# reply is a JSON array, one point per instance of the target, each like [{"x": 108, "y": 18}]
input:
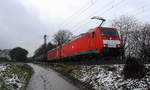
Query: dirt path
[{"x": 47, "y": 79}]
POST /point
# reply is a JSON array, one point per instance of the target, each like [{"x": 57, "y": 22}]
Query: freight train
[{"x": 100, "y": 41}]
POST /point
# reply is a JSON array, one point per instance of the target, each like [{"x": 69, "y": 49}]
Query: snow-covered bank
[
  {"x": 13, "y": 76},
  {"x": 109, "y": 77}
]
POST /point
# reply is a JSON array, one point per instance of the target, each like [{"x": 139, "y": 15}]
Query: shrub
[{"x": 134, "y": 68}]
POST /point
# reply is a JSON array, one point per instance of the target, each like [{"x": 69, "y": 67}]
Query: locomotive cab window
[
  {"x": 109, "y": 32},
  {"x": 93, "y": 34}
]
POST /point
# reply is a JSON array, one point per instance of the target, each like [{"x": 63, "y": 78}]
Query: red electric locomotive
[{"x": 100, "y": 41}]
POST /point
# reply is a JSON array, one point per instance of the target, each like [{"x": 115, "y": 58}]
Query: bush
[
  {"x": 134, "y": 68},
  {"x": 18, "y": 54}
]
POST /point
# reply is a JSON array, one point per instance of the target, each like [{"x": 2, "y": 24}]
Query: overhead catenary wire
[
  {"x": 74, "y": 14},
  {"x": 79, "y": 15},
  {"x": 89, "y": 16},
  {"x": 79, "y": 12},
  {"x": 140, "y": 11},
  {"x": 107, "y": 9},
  {"x": 77, "y": 26},
  {"x": 136, "y": 14}
]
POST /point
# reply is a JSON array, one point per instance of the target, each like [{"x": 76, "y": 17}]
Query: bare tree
[
  {"x": 125, "y": 24},
  {"x": 40, "y": 51},
  {"x": 62, "y": 36},
  {"x": 141, "y": 37},
  {"x": 135, "y": 38}
]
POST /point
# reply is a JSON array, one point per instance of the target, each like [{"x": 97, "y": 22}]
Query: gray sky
[{"x": 24, "y": 22}]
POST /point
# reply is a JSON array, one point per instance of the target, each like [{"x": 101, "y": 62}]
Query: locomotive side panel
[
  {"x": 95, "y": 40},
  {"x": 81, "y": 44},
  {"x": 76, "y": 46},
  {"x": 52, "y": 54},
  {"x": 66, "y": 49}
]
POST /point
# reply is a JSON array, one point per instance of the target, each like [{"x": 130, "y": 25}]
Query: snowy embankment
[
  {"x": 109, "y": 77},
  {"x": 13, "y": 76}
]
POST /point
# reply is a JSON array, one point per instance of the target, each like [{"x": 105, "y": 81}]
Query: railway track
[{"x": 88, "y": 60}]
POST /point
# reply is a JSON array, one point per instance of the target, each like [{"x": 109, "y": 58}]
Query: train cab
[{"x": 110, "y": 40}]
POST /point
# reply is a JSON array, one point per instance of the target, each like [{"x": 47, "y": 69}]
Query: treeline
[
  {"x": 61, "y": 37},
  {"x": 18, "y": 54},
  {"x": 135, "y": 37}
]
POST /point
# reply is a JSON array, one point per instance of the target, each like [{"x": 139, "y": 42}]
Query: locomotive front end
[{"x": 111, "y": 42}]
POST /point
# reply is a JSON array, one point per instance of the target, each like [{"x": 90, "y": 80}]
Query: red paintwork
[{"x": 83, "y": 43}]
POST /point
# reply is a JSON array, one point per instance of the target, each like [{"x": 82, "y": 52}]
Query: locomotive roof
[{"x": 93, "y": 29}]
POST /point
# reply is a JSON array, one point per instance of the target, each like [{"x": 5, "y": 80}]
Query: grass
[
  {"x": 21, "y": 70},
  {"x": 109, "y": 68}
]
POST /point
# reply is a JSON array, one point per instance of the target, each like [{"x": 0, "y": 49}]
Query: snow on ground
[
  {"x": 13, "y": 80},
  {"x": 8, "y": 80},
  {"x": 2, "y": 68},
  {"x": 109, "y": 77}
]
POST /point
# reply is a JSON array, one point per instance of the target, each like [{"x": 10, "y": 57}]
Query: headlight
[
  {"x": 118, "y": 45},
  {"x": 105, "y": 45}
]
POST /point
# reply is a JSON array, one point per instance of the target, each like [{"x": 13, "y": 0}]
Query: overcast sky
[{"x": 24, "y": 22}]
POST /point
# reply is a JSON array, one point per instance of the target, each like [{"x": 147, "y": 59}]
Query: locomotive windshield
[{"x": 109, "y": 32}]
